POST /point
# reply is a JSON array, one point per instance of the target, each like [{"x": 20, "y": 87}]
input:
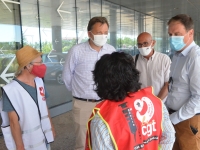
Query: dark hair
[
  {"x": 115, "y": 76},
  {"x": 183, "y": 19},
  {"x": 94, "y": 20}
]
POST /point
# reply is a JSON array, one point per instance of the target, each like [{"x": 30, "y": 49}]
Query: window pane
[
  {"x": 58, "y": 35},
  {"x": 95, "y": 6},
  {"x": 30, "y": 28},
  {"x": 112, "y": 13},
  {"x": 10, "y": 40},
  {"x": 128, "y": 37},
  {"x": 158, "y": 35},
  {"x": 83, "y": 18}
]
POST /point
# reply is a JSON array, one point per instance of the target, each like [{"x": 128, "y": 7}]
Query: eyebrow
[
  {"x": 175, "y": 33},
  {"x": 147, "y": 41}
]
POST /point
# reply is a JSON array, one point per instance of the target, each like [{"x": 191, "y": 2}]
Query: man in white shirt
[
  {"x": 154, "y": 66},
  {"x": 183, "y": 100}
]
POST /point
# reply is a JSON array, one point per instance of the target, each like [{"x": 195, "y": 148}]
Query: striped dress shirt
[{"x": 79, "y": 64}]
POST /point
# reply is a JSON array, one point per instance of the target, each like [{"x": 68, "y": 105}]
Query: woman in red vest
[{"x": 129, "y": 118}]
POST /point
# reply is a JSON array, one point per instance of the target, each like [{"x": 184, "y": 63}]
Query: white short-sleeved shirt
[{"x": 155, "y": 71}]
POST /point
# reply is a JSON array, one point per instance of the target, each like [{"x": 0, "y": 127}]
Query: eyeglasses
[
  {"x": 170, "y": 82},
  {"x": 145, "y": 44}
]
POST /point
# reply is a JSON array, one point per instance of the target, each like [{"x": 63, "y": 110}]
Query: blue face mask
[{"x": 177, "y": 43}]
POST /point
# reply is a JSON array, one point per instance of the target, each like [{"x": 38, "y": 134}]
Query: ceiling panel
[
  {"x": 161, "y": 9},
  {"x": 164, "y": 9}
]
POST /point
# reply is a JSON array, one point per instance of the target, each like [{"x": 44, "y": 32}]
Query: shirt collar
[
  {"x": 104, "y": 47},
  {"x": 187, "y": 49}
]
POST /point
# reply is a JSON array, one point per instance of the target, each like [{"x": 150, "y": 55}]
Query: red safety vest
[{"x": 134, "y": 123}]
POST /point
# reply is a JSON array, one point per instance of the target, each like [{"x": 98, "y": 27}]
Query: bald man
[{"x": 154, "y": 66}]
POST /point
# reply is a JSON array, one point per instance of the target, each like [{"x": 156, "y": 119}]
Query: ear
[
  {"x": 191, "y": 33},
  {"x": 154, "y": 42},
  {"x": 28, "y": 66},
  {"x": 90, "y": 35}
]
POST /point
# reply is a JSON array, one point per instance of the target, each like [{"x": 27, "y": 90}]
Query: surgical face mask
[
  {"x": 145, "y": 51},
  {"x": 99, "y": 40},
  {"x": 177, "y": 42}
]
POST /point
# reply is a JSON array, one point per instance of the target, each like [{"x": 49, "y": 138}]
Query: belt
[
  {"x": 88, "y": 100},
  {"x": 172, "y": 111}
]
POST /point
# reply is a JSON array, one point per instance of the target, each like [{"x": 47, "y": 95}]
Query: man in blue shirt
[
  {"x": 184, "y": 85},
  {"x": 78, "y": 78}
]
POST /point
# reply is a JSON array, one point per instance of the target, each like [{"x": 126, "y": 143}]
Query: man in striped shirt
[{"x": 78, "y": 78}]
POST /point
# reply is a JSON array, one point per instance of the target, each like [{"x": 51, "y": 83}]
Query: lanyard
[
  {"x": 171, "y": 77},
  {"x": 175, "y": 66}
]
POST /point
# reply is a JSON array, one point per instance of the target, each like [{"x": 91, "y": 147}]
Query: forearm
[
  {"x": 17, "y": 135},
  {"x": 163, "y": 92},
  {"x": 168, "y": 133},
  {"x": 187, "y": 111},
  {"x": 52, "y": 126},
  {"x": 67, "y": 79},
  {"x": 50, "y": 118},
  {"x": 167, "y": 139},
  {"x": 68, "y": 69},
  {"x": 100, "y": 135}
]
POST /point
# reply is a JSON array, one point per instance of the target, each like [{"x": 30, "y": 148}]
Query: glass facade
[{"x": 53, "y": 27}]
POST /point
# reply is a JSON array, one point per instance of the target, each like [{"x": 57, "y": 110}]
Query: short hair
[
  {"x": 94, "y": 20},
  {"x": 183, "y": 19},
  {"x": 115, "y": 76}
]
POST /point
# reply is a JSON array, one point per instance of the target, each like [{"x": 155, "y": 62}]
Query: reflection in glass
[
  {"x": 58, "y": 35},
  {"x": 83, "y": 17},
  {"x": 95, "y": 6},
  {"x": 128, "y": 36},
  {"x": 62, "y": 24},
  {"x": 112, "y": 13},
  {"x": 10, "y": 41},
  {"x": 30, "y": 27}
]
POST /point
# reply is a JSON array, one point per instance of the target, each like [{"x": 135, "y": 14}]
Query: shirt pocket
[
  {"x": 158, "y": 76},
  {"x": 157, "y": 73}
]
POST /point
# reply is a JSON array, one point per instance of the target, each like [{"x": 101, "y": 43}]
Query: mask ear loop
[
  {"x": 91, "y": 32},
  {"x": 188, "y": 39},
  {"x": 25, "y": 67},
  {"x": 151, "y": 44},
  {"x": 91, "y": 37}
]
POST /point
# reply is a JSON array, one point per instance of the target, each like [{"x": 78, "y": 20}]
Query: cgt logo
[
  {"x": 149, "y": 128},
  {"x": 145, "y": 111},
  {"x": 42, "y": 93}
]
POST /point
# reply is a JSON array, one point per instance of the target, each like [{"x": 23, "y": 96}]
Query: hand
[
  {"x": 20, "y": 147},
  {"x": 54, "y": 132}
]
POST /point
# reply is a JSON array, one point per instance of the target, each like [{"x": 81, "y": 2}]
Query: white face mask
[
  {"x": 144, "y": 51},
  {"x": 99, "y": 40}
]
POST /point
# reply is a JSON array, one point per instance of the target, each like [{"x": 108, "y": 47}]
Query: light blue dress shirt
[
  {"x": 184, "y": 90},
  {"x": 79, "y": 64}
]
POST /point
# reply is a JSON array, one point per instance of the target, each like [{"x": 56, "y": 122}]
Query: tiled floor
[{"x": 65, "y": 137}]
